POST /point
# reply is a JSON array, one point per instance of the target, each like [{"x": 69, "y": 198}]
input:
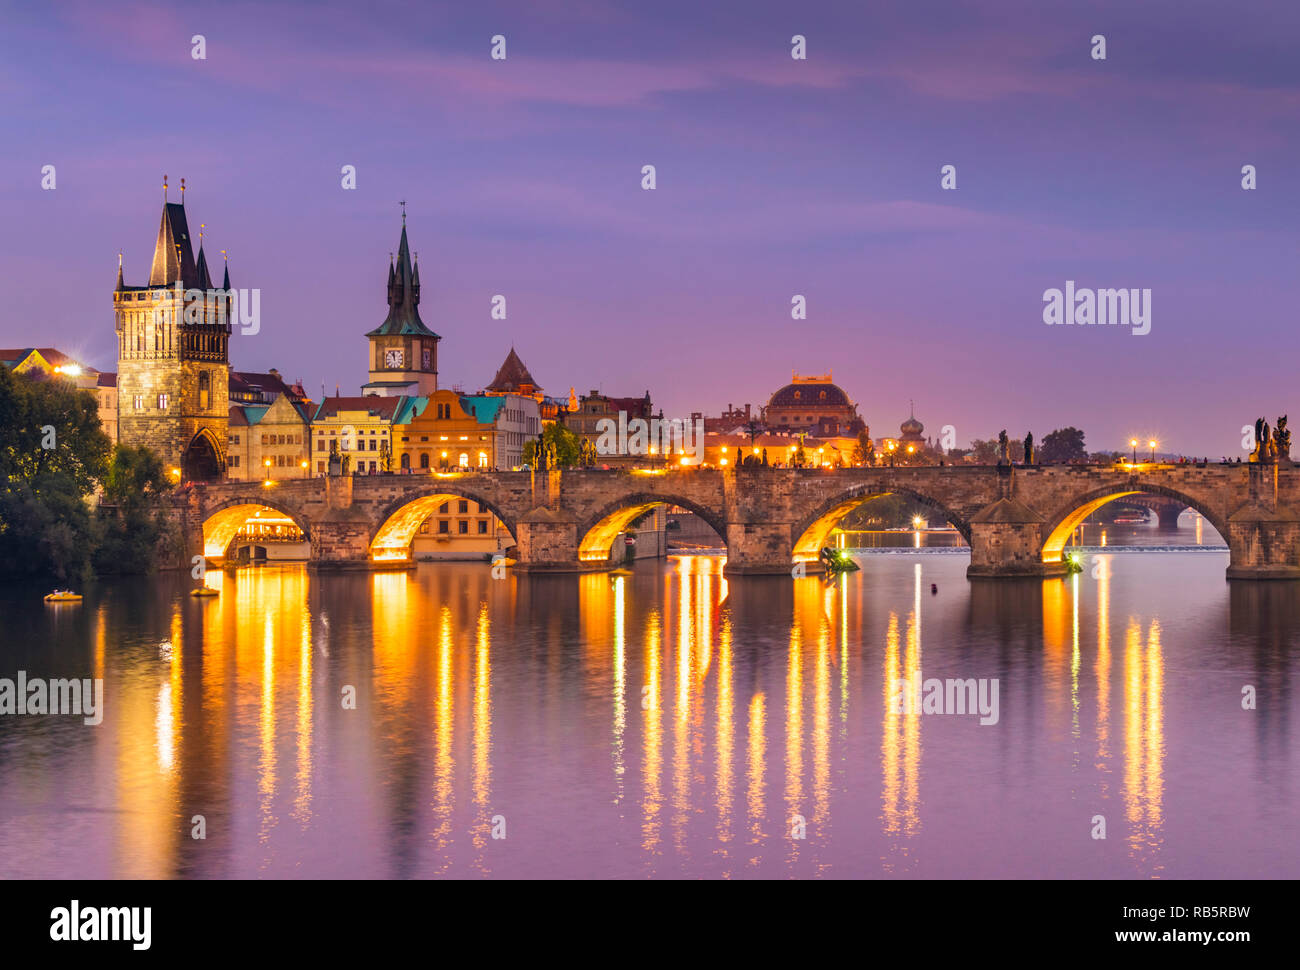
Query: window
[
  {"x": 139, "y": 402},
  {"x": 406, "y": 460},
  {"x": 482, "y": 459},
  {"x": 234, "y": 461},
  {"x": 482, "y": 527},
  {"x": 162, "y": 402},
  {"x": 320, "y": 466},
  {"x": 444, "y": 527},
  {"x": 374, "y": 445},
  {"x": 205, "y": 385},
  {"x": 464, "y": 460},
  {"x": 320, "y": 444},
  {"x": 424, "y": 459},
  {"x": 463, "y": 525},
  {"x": 464, "y": 507},
  {"x": 444, "y": 507}
]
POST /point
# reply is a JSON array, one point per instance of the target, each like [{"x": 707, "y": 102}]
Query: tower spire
[
  {"x": 120, "y": 284},
  {"x": 182, "y": 191},
  {"x": 164, "y": 188}
]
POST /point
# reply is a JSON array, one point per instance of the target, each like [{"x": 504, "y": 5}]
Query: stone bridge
[{"x": 1015, "y": 519}]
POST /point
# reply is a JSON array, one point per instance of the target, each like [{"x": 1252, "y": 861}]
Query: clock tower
[{"x": 403, "y": 351}]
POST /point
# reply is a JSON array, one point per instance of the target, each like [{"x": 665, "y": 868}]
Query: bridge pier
[
  {"x": 1264, "y": 544},
  {"x": 342, "y": 542},
  {"x": 761, "y": 549},
  {"x": 547, "y": 540},
  {"x": 1007, "y": 541}
]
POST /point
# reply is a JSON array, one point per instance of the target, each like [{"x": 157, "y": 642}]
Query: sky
[{"x": 775, "y": 177}]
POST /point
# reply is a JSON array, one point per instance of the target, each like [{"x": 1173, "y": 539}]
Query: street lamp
[
  {"x": 1153, "y": 450},
  {"x": 1133, "y": 443}
]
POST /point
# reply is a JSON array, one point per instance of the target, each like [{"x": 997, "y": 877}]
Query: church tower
[
  {"x": 403, "y": 351},
  {"x": 173, "y": 362}
]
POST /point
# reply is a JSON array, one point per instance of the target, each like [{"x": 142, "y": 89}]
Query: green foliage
[
  {"x": 46, "y": 523},
  {"x": 564, "y": 449},
  {"x": 52, "y": 455},
  {"x": 132, "y": 525},
  {"x": 1063, "y": 445}
]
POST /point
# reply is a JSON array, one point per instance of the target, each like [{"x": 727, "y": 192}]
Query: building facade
[
  {"x": 359, "y": 428},
  {"x": 270, "y": 442}
]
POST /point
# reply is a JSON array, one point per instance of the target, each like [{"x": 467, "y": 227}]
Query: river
[{"x": 660, "y": 722}]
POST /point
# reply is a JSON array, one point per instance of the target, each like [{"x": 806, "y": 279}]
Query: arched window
[
  {"x": 406, "y": 460},
  {"x": 482, "y": 459},
  {"x": 205, "y": 390},
  {"x": 464, "y": 460},
  {"x": 424, "y": 459}
]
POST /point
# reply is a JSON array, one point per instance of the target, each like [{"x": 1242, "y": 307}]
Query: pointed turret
[
  {"x": 403, "y": 297},
  {"x": 205, "y": 281},
  {"x": 120, "y": 285},
  {"x": 173, "y": 257},
  {"x": 225, "y": 282}
]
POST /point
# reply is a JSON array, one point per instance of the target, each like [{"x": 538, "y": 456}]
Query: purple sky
[{"x": 775, "y": 177}]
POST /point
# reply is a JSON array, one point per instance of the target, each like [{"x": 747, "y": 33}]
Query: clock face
[{"x": 393, "y": 358}]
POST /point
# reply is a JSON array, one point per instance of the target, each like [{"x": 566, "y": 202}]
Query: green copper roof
[
  {"x": 403, "y": 299},
  {"x": 484, "y": 407}
]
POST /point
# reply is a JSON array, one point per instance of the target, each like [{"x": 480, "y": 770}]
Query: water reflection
[{"x": 660, "y": 721}]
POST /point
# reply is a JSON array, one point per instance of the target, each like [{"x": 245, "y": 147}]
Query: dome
[
  {"x": 911, "y": 427},
  {"x": 809, "y": 394}
]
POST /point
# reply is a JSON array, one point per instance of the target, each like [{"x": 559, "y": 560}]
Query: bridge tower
[{"x": 173, "y": 362}]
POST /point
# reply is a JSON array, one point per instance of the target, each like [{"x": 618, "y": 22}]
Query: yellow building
[{"x": 361, "y": 428}]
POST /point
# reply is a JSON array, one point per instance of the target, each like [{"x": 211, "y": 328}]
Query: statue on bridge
[
  {"x": 1265, "y": 446},
  {"x": 1282, "y": 440},
  {"x": 1004, "y": 448},
  {"x": 1029, "y": 447}
]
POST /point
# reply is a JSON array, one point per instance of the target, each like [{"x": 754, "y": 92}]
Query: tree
[
  {"x": 864, "y": 451},
  {"x": 1063, "y": 445},
  {"x": 564, "y": 449},
  {"x": 985, "y": 452},
  {"x": 133, "y": 522},
  {"x": 53, "y": 453}
]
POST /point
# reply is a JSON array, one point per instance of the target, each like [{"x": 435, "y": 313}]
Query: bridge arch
[
  {"x": 1062, "y": 523},
  {"x": 809, "y": 534},
  {"x": 222, "y": 522},
  {"x": 400, "y": 520},
  {"x": 597, "y": 533}
]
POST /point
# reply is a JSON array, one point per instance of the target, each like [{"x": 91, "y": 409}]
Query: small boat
[
  {"x": 205, "y": 591},
  {"x": 63, "y": 596}
]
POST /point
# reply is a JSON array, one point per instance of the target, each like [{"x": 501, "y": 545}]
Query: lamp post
[
  {"x": 1153, "y": 450},
  {"x": 1133, "y": 443}
]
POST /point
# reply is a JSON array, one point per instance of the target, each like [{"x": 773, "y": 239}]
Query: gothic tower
[
  {"x": 173, "y": 362},
  {"x": 403, "y": 351}
]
